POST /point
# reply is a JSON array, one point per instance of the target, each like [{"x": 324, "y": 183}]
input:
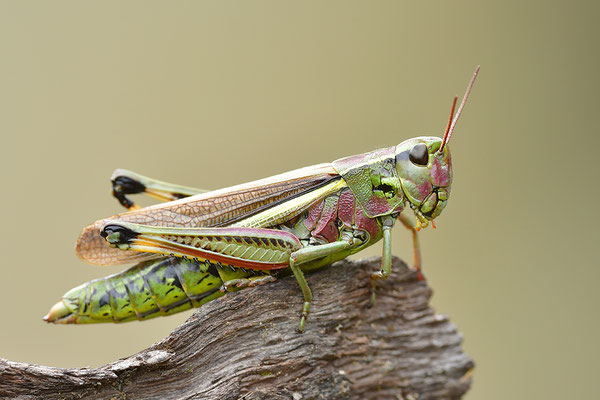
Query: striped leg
[{"x": 251, "y": 248}]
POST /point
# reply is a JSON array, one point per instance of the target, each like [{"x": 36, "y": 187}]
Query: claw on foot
[
  {"x": 372, "y": 303},
  {"x": 374, "y": 277},
  {"x": 305, "y": 311}
]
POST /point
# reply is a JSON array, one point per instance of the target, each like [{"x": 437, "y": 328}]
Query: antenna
[
  {"x": 450, "y": 129},
  {"x": 449, "y": 123}
]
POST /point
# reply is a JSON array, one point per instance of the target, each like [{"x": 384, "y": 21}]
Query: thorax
[{"x": 333, "y": 216}]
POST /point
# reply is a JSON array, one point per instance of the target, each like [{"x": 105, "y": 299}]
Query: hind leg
[{"x": 126, "y": 182}]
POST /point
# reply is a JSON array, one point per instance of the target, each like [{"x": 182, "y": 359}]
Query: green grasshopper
[{"x": 201, "y": 244}]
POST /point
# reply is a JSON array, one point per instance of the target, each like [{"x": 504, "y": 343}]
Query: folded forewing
[{"x": 212, "y": 209}]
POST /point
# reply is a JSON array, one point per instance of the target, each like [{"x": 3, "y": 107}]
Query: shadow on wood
[{"x": 245, "y": 346}]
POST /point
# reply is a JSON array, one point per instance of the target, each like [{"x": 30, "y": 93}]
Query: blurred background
[{"x": 212, "y": 94}]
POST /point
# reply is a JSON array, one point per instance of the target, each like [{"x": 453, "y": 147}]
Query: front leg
[{"x": 416, "y": 247}]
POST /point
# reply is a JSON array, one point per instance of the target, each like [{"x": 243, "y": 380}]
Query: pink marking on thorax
[
  {"x": 377, "y": 205},
  {"x": 326, "y": 227},
  {"x": 365, "y": 223},
  {"x": 314, "y": 213},
  {"x": 322, "y": 217},
  {"x": 346, "y": 208}
]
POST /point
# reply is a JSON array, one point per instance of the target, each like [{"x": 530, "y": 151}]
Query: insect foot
[{"x": 305, "y": 311}]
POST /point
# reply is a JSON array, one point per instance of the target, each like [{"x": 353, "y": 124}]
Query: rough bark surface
[{"x": 245, "y": 346}]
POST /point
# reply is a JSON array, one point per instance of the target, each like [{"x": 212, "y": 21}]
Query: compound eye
[{"x": 419, "y": 155}]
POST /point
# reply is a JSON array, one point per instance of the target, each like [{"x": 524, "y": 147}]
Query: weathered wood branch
[{"x": 245, "y": 346}]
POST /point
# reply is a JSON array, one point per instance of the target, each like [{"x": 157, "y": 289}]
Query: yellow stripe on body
[{"x": 286, "y": 211}]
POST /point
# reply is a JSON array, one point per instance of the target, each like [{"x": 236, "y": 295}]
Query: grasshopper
[{"x": 201, "y": 244}]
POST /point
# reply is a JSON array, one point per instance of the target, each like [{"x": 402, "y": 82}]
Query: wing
[{"x": 212, "y": 209}]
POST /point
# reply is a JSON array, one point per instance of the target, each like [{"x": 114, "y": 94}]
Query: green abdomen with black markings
[{"x": 147, "y": 290}]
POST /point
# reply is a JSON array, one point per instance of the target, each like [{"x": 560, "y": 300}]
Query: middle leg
[{"x": 312, "y": 253}]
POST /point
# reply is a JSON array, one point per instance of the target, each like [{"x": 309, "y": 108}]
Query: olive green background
[{"x": 212, "y": 94}]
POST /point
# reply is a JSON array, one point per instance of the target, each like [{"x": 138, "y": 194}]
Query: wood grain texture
[{"x": 244, "y": 346}]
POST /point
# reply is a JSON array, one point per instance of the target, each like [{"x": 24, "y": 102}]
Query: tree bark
[{"x": 245, "y": 346}]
